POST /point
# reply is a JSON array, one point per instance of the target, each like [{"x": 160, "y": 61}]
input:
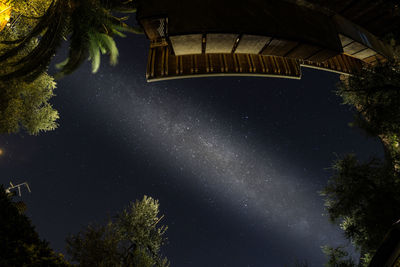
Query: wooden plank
[
  {"x": 149, "y": 64},
  {"x": 153, "y": 62},
  {"x": 347, "y": 65},
  {"x": 343, "y": 65},
  {"x": 252, "y": 62},
  {"x": 201, "y": 63},
  {"x": 221, "y": 62},
  {"x": 262, "y": 64},
  {"x": 345, "y": 40},
  {"x": 252, "y": 44},
  {"x": 275, "y": 63},
  {"x": 158, "y": 61},
  {"x": 322, "y": 55},
  {"x": 216, "y": 63},
  {"x": 271, "y": 65},
  {"x": 211, "y": 62},
  {"x": 163, "y": 51},
  {"x": 186, "y": 44},
  {"x": 354, "y": 48},
  {"x": 257, "y": 65},
  {"x": 236, "y": 63},
  {"x": 365, "y": 54},
  {"x": 303, "y": 51},
  {"x": 229, "y": 66},
  {"x": 371, "y": 60},
  {"x": 242, "y": 63},
  {"x": 220, "y": 42},
  {"x": 279, "y": 47}
]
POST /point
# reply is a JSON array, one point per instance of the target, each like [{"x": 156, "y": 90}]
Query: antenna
[{"x": 18, "y": 186}]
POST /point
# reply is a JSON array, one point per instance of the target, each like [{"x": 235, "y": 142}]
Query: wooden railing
[{"x": 163, "y": 65}]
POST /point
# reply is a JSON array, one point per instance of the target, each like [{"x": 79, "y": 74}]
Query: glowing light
[
  {"x": 1, "y": 152},
  {"x": 5, "y": 13}
]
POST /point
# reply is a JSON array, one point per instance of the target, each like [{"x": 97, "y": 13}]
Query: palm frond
[
  {"x": 100, "y": 42},
  {"x": 109, "y": 44},
  {"x": 119, "y": 25},
  {"x": 94, "y": 51},
  {"x": 37, "y": 60},
  {"x": 78, "y": 52}
]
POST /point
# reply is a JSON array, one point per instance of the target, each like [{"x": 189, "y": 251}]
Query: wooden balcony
[{"x": 163, "y": 65}]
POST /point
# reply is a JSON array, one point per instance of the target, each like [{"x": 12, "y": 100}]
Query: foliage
[
  {"x": 338, "y": 257},
  {"x": 20, "y": 244},
  {"x": 375, "y": 92},
  {"x": 363, "y": 199},
  {"x": 89, "y": 25},
  {"x": 366, "y": 259},
  {"x": 25, "y": 105},
  {"x": 133, "y": 238}
]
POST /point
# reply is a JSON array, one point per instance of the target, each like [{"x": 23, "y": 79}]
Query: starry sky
[{"x": 236, "y": 162}]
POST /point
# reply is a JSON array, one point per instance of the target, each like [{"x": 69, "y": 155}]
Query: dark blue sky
[{"x": 235, "y": 162}]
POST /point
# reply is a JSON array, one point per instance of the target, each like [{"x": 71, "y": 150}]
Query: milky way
[{"x": 233, "y": 170}]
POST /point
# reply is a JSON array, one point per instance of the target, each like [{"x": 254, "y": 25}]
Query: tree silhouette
[
  {"x": 363, "y": 199},
  {"x": 20, "y": 244}
]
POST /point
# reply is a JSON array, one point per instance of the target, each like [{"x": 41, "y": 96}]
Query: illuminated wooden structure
[
  {"x": 220, "y": 37},
  {"x": 163, "y": 65}
]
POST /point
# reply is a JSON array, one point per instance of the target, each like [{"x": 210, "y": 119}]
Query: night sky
[{"x": 236, "y": 162}]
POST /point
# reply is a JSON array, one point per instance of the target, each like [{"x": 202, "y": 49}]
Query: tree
[
  {"x": 90, "y": 26},
  {"x": 132, "y": 238},
  {"x": 25, "y": 105},
  {"x": 30, "y": 40},
  {"x": 338, "y": 257},
  {"x": 375, "y": 94},
  {"x": 364, "y": 200},
  {"x": 20, "y": 244}
]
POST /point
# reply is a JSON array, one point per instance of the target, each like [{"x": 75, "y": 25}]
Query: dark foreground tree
[
  {"x": 133, "y": 238},
  {"x": 20, "y": 245},
  {"x": 364, "y": 199}
]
